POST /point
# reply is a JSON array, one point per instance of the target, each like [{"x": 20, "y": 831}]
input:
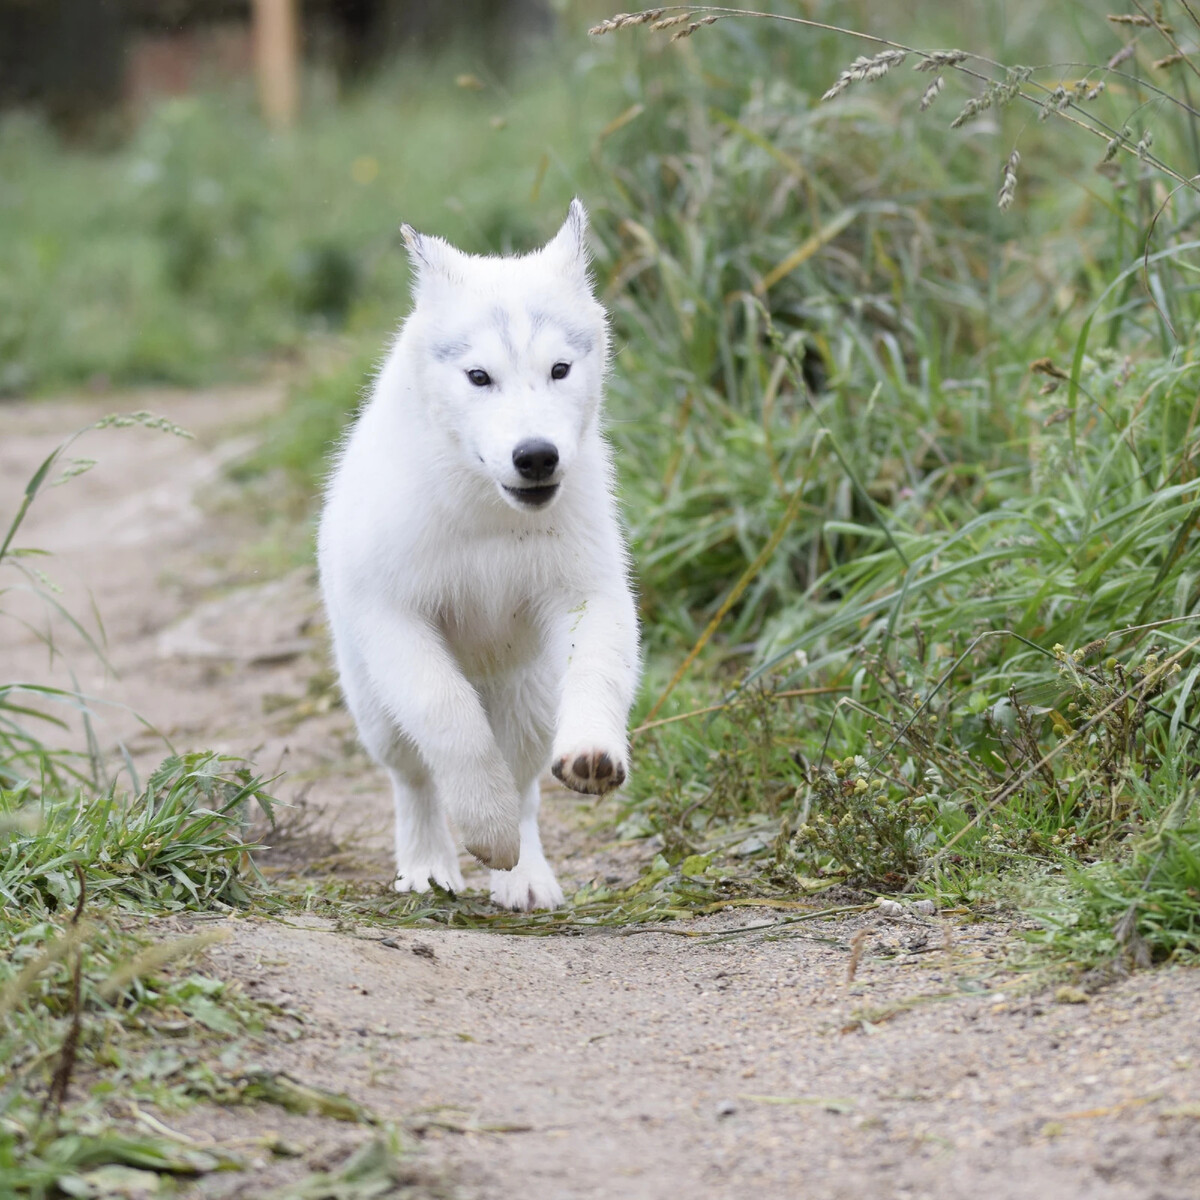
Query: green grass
[
  {"x": 98, "y": 1011},
  {"x": 85, "y": 990}
]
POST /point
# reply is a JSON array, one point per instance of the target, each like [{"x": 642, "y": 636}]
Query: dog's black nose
[{"x": 535, "y": 459}]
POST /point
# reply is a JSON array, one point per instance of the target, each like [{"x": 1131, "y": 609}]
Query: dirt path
[{"x": 696, "y": 1061}]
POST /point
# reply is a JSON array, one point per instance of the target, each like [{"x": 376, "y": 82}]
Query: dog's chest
[
  {"x": 494, "y": 610},
  {"x": 488, "y": 641}
]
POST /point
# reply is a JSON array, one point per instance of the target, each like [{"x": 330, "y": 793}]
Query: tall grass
[{"x": 967, "y": 442}]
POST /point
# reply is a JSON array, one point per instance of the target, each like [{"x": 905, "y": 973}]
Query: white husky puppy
[{"x": 473, "y": 570}]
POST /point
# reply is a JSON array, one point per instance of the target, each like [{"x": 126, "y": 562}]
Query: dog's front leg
[
  {"x": 590, "y": 751},
  {"x": 430, "y": 700}
]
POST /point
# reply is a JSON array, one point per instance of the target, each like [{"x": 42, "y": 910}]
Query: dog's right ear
[
  {"x": 569, "y": 244},
  {"x": 431, "y": 257}
]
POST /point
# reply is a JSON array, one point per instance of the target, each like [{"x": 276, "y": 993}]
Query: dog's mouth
[{"x": 537, "y": 496}]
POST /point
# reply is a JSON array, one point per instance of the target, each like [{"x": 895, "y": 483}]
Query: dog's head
[{"x": 512, "y": 354}]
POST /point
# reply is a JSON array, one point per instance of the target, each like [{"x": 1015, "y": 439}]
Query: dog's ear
[
  {"x": 431, "y": 257},
  {"x": 569, "y": 244}
]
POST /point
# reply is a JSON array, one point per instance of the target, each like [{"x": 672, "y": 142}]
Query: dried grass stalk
[
  {"x": 938, "y": 60},
  {"x": 858, "y": 943}
]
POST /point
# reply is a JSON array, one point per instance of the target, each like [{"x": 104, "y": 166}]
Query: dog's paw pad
[{"x": 592, "y": 771}]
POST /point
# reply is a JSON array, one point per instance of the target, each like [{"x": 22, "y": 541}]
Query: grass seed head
[
  {"x": 938, "y": 60},
  {"x": 931, "y": 93},
  {"x": 626, "y": 21},
  {"x": 1058, "y": 99},
  {"x": 670, "y": 22},
  {"x": 1123, "y": 55},
  {"x": 866, "y": 70},
  {"x": 1008, "y": 185},
  {"x": 973, "y": 107},
  {"x": 690, "y": 29},
  {"x": 1115, "y": 144}
]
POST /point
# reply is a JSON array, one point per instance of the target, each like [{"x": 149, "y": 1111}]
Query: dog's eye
[
  {"x": 560, "y": 370},
  {"x": 479, "y": 378}
]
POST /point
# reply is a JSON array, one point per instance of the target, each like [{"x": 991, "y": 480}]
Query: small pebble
[
  {"x": 925, "y": 907},
  {"x": 726, "y": 1108}
]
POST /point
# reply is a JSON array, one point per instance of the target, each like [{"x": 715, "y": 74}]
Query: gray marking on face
[
  {"x": 578, "y": 339},
  {"x": 504, "y": 329},
  {"x": 445, "y": 351}
]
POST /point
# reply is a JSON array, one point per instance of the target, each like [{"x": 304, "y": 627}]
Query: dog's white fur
[{"x": 479, "y": 637}]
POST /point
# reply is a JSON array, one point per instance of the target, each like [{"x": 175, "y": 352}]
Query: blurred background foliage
[{"x": 910, "y": 479}]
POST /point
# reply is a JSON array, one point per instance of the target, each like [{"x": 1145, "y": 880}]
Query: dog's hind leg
[
  {"x": 531, "y": 883},
  {"x": 425, "y": 851}
]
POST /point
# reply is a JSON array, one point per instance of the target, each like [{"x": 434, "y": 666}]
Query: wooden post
[{"x": 277, "y": 60}]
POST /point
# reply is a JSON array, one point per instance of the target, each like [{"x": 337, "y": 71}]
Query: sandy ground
[{"x": 707, "y": 1060}]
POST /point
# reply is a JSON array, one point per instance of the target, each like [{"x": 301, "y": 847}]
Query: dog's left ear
[{"x": 569, "y": 244}]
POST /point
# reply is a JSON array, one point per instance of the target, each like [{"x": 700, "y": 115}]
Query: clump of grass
[
  {"x": 721, "y": 769},
  {"x": 177, "y": 845},
  {"x": 1137, "y": 910},
  {"x": 83, "y": 990}
]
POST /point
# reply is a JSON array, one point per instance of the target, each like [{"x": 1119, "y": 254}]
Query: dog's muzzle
[
  {"x": 535, "y": 460},
  {"x": 533, "y": 497}
]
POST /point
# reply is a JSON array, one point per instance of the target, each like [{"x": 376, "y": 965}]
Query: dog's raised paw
[{"x": 593, "y": 771}]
